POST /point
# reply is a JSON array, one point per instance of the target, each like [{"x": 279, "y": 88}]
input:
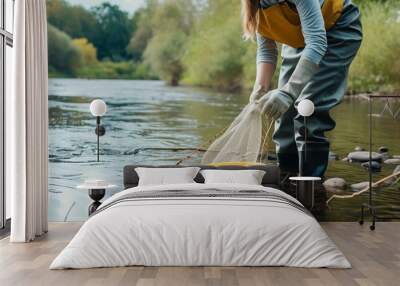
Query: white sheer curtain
[{"x": 27, "y": 123}]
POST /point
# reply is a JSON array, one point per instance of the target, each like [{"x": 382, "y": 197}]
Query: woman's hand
[
  {"x": 275, "y": 103},
  {"x": 257, "y": 93}
]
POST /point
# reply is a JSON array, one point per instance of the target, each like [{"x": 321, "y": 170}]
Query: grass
[
  {"x": 108, "y": 70},
  {"x": 377, "y": 65}
]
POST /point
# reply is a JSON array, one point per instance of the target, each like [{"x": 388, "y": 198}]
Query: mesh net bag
[{"x": 242, "y": 141}]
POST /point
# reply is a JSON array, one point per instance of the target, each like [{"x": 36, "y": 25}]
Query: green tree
[
  {"x": 377, "y": 65},
  {"x": 64, "y": 56},
  {"x": 143, "y": 31},
  {"x": 164, "y": 55},
  {"x": 114, "y": 31},
  {"x": 216, "y": 49},
  {"x": 171, "y": 25},
  {"x": 88, "y": 51},
  {"x": 76, "y": 21}
]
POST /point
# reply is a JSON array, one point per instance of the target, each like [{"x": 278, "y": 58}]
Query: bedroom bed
[{"x": 204, "y": 222}]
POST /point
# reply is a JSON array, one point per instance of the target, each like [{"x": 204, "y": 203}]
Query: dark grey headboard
[{"x": 271, "y": 177}]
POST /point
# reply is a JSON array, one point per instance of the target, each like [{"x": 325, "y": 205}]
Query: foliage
[
  {"x": 171, "y": 25},
  {"x": 230, "y": 62},
  {"x": 104, "y": 30},
  {"x": 88, "y": 51},
  {"x": 216, "y": 48},
  {"x": 63, "y": 54},
  {"x": 164, "y": 56},
  {"x": 113, "y": 31},
  {"x": 77, "y": 58},
  {"x": 75, "y": 21},
  {"x": 377, "y": 65},
  {"x": 113, "y": 70},
  {"x": 143, "y": 31},
  {"x": 106, "y": 26}
]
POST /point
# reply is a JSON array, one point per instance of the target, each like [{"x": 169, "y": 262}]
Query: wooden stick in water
[{"x": 363, "y": 190}]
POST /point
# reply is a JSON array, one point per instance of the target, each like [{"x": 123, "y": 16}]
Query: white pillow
[
  {"x": 247, "y": 177},
  {"x": 166, "y": 176}
]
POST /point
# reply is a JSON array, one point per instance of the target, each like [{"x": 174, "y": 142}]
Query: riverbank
[
  {"x": 238, "y": 92},
  {"x": 107, "y": 69}
]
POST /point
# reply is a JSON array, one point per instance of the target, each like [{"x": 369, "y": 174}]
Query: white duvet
[{"x": 202, "y": 232}]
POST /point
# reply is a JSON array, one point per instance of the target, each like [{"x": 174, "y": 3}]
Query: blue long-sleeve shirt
[{"x": 313, "y": 28}]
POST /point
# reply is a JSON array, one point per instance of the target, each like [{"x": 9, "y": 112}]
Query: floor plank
[{"x": 375, "y": 257}]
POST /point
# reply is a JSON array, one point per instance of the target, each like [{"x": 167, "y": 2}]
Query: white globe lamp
[
  {"x": 306, "y": 108},
  {"x": 98, "y": 108}
]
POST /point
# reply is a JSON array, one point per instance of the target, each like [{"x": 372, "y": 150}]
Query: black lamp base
[
  {"x": 305, "y": 193},
  {"x": 96, "y": 195}
]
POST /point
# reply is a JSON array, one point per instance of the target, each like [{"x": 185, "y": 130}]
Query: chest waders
[{"x": 281, "y": 23}]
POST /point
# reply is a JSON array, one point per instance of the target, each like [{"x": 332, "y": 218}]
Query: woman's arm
[
  {"x": 278, "y": 101},
  {"x": 313, "y": 28},
  {"x": 267, "y": 56},
  {"x": 265, "y": 72}
]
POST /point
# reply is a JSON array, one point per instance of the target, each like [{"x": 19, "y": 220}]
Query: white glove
[
  {"x": 257, "y": 93},
  {"x": 276, "y": 102}
]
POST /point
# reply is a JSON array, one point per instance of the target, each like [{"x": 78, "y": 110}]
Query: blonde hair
[{"x": 249, "y": 18}]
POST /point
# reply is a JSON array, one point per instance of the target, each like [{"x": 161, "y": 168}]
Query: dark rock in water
[
  {"x": 335, "y": 185},
  {"x": 375, "y": 166},
  {"x": 392, "y": 161},
  {"x": 385, "y": 156},
  {"x": 359, "y": 186},
  {"x": 131, "y": 152},
  {"x": 363, "y": 156},
  {"x": 383, "y": 149},
  {"x": 359, "y": 148},
  {"x": 333, "y": 156}
]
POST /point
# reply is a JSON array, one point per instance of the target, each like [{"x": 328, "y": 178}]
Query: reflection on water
[{"x": 147, "y": 114}]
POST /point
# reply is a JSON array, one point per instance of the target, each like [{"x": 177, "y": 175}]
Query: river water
[{"x": 148, "y": 114}]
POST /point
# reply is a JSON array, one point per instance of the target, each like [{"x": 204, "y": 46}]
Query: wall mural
[{"x": 156, "y": 113}]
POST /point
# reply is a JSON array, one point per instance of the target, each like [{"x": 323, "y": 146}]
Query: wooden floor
[{"x": 375, "y": 257}]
